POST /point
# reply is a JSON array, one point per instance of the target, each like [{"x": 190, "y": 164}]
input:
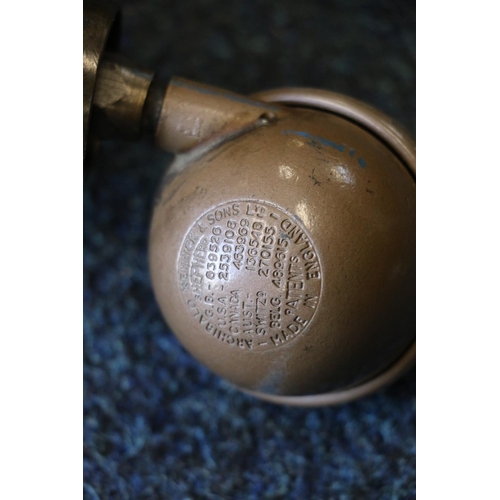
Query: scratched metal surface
[{"x": 156, "y": 423}]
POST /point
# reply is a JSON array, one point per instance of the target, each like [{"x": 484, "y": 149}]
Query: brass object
[
  {"x": 99, "y": 19},
  {"x": 282, "y": 242},
  {"x": 119, "y": 97}
]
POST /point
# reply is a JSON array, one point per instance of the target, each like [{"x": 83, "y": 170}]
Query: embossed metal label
[{"x": 250, "y": 275}]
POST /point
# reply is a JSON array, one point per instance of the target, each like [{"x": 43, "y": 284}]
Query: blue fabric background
[{"x": 157, "y": 425}]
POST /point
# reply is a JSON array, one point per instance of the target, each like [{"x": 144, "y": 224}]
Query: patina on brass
[{"x": 282, "y": 242}]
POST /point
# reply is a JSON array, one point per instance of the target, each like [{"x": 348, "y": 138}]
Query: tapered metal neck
[{"x": 129, "y": 103}]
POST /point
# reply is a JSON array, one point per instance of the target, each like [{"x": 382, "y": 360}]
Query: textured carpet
[{"x": 157, "y": 425}]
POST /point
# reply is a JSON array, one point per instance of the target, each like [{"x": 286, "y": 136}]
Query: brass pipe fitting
[{"x": 120, "y": 95}]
